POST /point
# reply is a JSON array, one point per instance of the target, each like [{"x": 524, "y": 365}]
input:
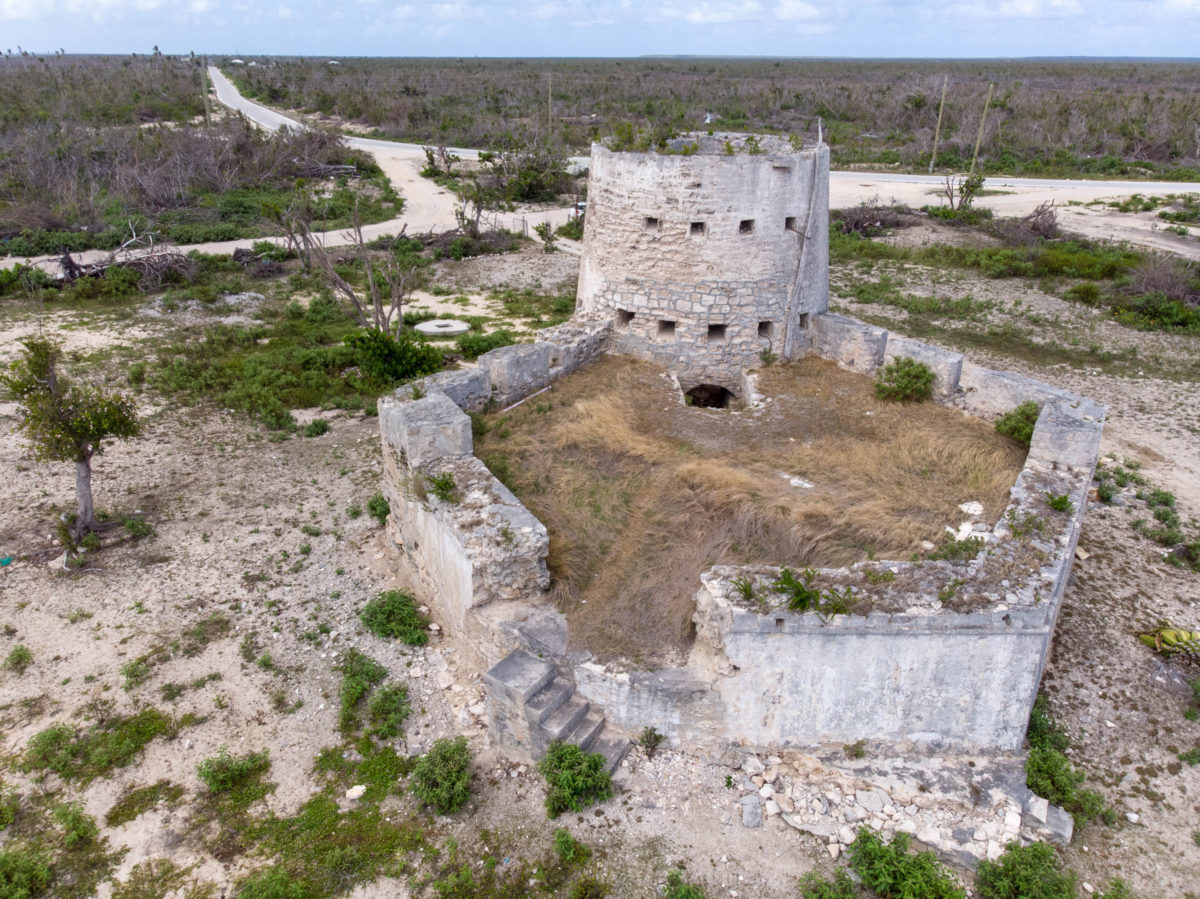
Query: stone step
[
  {"x": 564, "y": 719},
  {"x": 586, "y": 731},
  {"x": 613, "y": 747},
  {"x": 521, "y": 674},
  {"x": 547, "y": 700}
]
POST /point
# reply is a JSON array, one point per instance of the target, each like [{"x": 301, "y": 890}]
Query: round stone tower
[{"x": 708, "y": 253}]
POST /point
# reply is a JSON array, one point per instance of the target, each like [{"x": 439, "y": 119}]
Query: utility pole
[
  {"x": 982, "y": 122},
  {"x": 938, "y": 130},
  {"x": 204, "y": 92}
]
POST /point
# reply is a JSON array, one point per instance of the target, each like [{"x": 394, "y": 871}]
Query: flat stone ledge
[{"x": 426, "y": 429}]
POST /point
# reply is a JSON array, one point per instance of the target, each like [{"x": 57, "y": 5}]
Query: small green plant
[
  {"x": 18, "y": 659},
  {"x": 393, "y": 614},
  {"x": 568, "y": 849},
  {"x": 856, "y": 750},
  {"x": 225, "y": 773},
  {"x": 378, "y": 508},
  {"x": 135, "y": 672},
  {"x": 1060, "y": 502},
  {"x": 894, "y": 873},
  {"x": 768, "y": 356},
  {"x": 271, "y": 883},
  {"x": 676, "y": 888},
  {"x": 388, "y": 710},
  {"x": 316, "y": 428},
  {"x": 546, "y": 232},
  {"x": 729, "y": 782},
  {"x": 905, "y": 380},
  {"x": 1024, "y": 524},
  {"x": 575, "y": 779},
  {"x": 814, "y": 886},
  {"x": 78, "y": 828},
  {"x": 139, "y": 800},
  {"x": 884, "y": 576},
  {"x": 650, "y": 740},
  {"x": 1025, "y": 872},
  {"x": 744, "y": 587},
  {"x": 23, "y": 872},
  {"x": 360, "y": 674},
  {"x": 947, "y": 593},
  {"x": 354, "y": 510},
  {"x": 442, "y": 776},
  {"x": 800, "y": 597},
  {"x": 1020, "y": 422},
  {"x": 1191, "y": 756},
  {"x": 1049, "y": 773},
  {"x": 443, "y": 486},
  {"x": 1106, "y": 491},
  {"x": 138, "y": 527}
]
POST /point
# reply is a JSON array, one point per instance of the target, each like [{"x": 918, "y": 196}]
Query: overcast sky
[{"x": 895, "y": 28}]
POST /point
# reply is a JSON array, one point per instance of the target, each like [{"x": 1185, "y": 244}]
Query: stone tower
[{"x": 707, "y": 254}]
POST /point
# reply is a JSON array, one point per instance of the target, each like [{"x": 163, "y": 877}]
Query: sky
[{"x": 548, "y": 28}]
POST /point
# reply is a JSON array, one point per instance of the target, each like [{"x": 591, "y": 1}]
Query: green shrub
[
  {"x": 384, "y": 359},
  {"x": 393, "y": 613},
  {"x": 272, "y": 883},
  {"x": 1088, "y": 293},
  {"x": 1025, "y": 872},
  {"x": 1043, "y": 731},
  {"x": 224, "y": 773},
  {"x": 814, "y": 886},
  {"x": 1060, "y": 502},
  {"x": 576, "y": 779},
  {"x": 677, "y": 889},
  {"x": 378, "y": 508},
  {"x": 894, "y": 873},
  {"x": 953, "y": 549},
  {"x": 316, "y": 427},
  {"x": 94, "y": 753},
  {"x": 1106, "y": 491},
  {"x": 23, "y": 873},
  {"x": 444, "y": 486},
  {"x": 442, "y": 776},
  {"x": 906, "y": 380},
  {"x": 1049, "y": 773},
  {"x": 360, "y": 673},
  {"x": 18, "y": 659},
  {"x": 1019, "y": 422},
  {"x": 588, "y": 887},
  {"x": 137, "y": 527},
  {"x": 474, "y": 345},
  {"x": 568, "y": 849},
  {"x": 650, "y": 739},
  {"x": 78, "y": 828},
  {"x": 388, "y": 710}
]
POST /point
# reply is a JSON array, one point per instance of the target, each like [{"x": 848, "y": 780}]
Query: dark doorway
[{"x": 710, "y": 396}]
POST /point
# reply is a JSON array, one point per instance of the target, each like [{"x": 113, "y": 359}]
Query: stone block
[
  {"x": 517, "y": 371},
  {"x": 946, "y": 365},
  {"x": 848, "y": 342},
  {"x": 425, "y": 430},
  {"x": 988, "y": 392},
  {"x": 1064, "y": 439},
  {"x": 467, "y": 388}
]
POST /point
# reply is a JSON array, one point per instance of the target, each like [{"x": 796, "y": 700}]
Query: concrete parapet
[
  {"x": 423, "y": 430},
  {"x": 575, "y": 344},
  {"x": 468, "y": 388},
  {"x": 517, "y": 371},
  {"x": 989, "y": 393},
  {"x": 1065, "y": 438},
  {"x": 945, "y": 364},
  {"x": 848, "y": 342}
]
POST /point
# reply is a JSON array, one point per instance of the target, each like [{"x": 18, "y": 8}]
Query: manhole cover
[{"x": 442, "y": 327}]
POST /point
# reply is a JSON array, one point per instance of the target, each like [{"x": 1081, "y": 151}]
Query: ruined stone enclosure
[{"x": 899, "y": 647}]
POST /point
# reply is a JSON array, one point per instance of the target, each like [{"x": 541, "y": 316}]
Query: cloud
[
  {"x": 796, "y": 11},
  {"x": 34, "y": 10}
]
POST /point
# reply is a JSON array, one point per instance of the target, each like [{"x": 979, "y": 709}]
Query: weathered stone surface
[
  {"x": 467, "y": 388},
  {"x": 517, "y": 371},
  {"x": 1065, "y": 438},
  {"x": 990, "y": 393},
  {"x": 425, "y": 430},
  {"x": 848, "y": 342},
  {"x": 752, "y": 811}
]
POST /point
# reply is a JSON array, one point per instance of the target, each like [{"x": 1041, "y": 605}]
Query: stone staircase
[{"x": 530, "y": 706}]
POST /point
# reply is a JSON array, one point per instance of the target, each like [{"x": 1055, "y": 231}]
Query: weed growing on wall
[{"x": 1019, "y": 423}]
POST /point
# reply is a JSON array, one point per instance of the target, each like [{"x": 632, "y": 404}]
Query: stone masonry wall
[{"x": 703, "y": 261}]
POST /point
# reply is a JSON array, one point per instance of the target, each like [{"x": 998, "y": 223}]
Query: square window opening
[
  {"x": 746, "y": 226},
  {"x": 778, "y": 624},
  {"x": 789, "y": 224},
  {"x": 624, "y": 318},
  {"x": 802, "y": 320},
  {"x": 699, "y": 229},
  {"x": 650, "y": 224},
  {"x": 666, "y": 328},
  {"x": 716, "y": 333},
  {"x": 766, "y": 329}
]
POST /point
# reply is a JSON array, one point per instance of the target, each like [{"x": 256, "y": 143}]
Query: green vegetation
[
  {"x": 18, "y": 659},
  {"x": 443, "y": 486},
  {"x": 138, "y": 800},
  {"x": 54, "y": 850},
  {"x": 1049, "y": 773},
  {"x": 676, "y": 888},
  {"x": 442, "y": 776},
  {"x": 1019, "y": 423},
  {"x": 472, "y": 346},
  {"x": 393, "y": 614},
  {"x": 894, "y": 873},
  {"x": 1025, "y": 872},
  {"x": 575, "y": 779},
  {"x": 801, "y": 597},
  {"x": 388, "y": 710},
  {"x": 906, "y": 380},
  {"x": 814, "y": 886},
  {"x": 229, "y": 774},
  {"x": 568, "y": 849},
  {"x": 360, "y": 675},
  {"x": 378, "y": 508},
  {"x": 111, "y": 743}
]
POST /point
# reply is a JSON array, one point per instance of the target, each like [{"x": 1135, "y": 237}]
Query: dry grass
[{"x": 641, "y": 494}]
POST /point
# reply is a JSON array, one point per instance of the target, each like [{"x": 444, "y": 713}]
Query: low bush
[
  {"x": 316, "y": 427},
  {"x": 1025, "y": 872},
  {"x": 814, "y": 886},
  {"x": 388, "y": 710},
  {"x": 575, "y": 779},
  {"x": 23, "y": 873},
  {"x": 18, "y": 659},
  {"x": 568, "y": 849},
  {"x": 1019, "y": 423},
  {"x": 94, "y": 753},
  {"x": 905, "y": 380},
  {"x": 676, "y": 888},
  {"x": 378, "y": 508},
  {"x": 442, "y": 776},
  {"x": 393, "y": 614},
  {"x": 474, "y": 345},
  {"x": 895, "y": 873},
  {"x": 224, "y": 773},
  {"x": 360, "y": 674}
]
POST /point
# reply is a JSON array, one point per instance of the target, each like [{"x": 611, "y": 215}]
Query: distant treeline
[
  {"x": 91, "y": 147},
  {"x": 1046, "y": 117}
]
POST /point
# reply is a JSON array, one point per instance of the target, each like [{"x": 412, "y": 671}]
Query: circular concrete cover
[{"x": 442, "y": 327}]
